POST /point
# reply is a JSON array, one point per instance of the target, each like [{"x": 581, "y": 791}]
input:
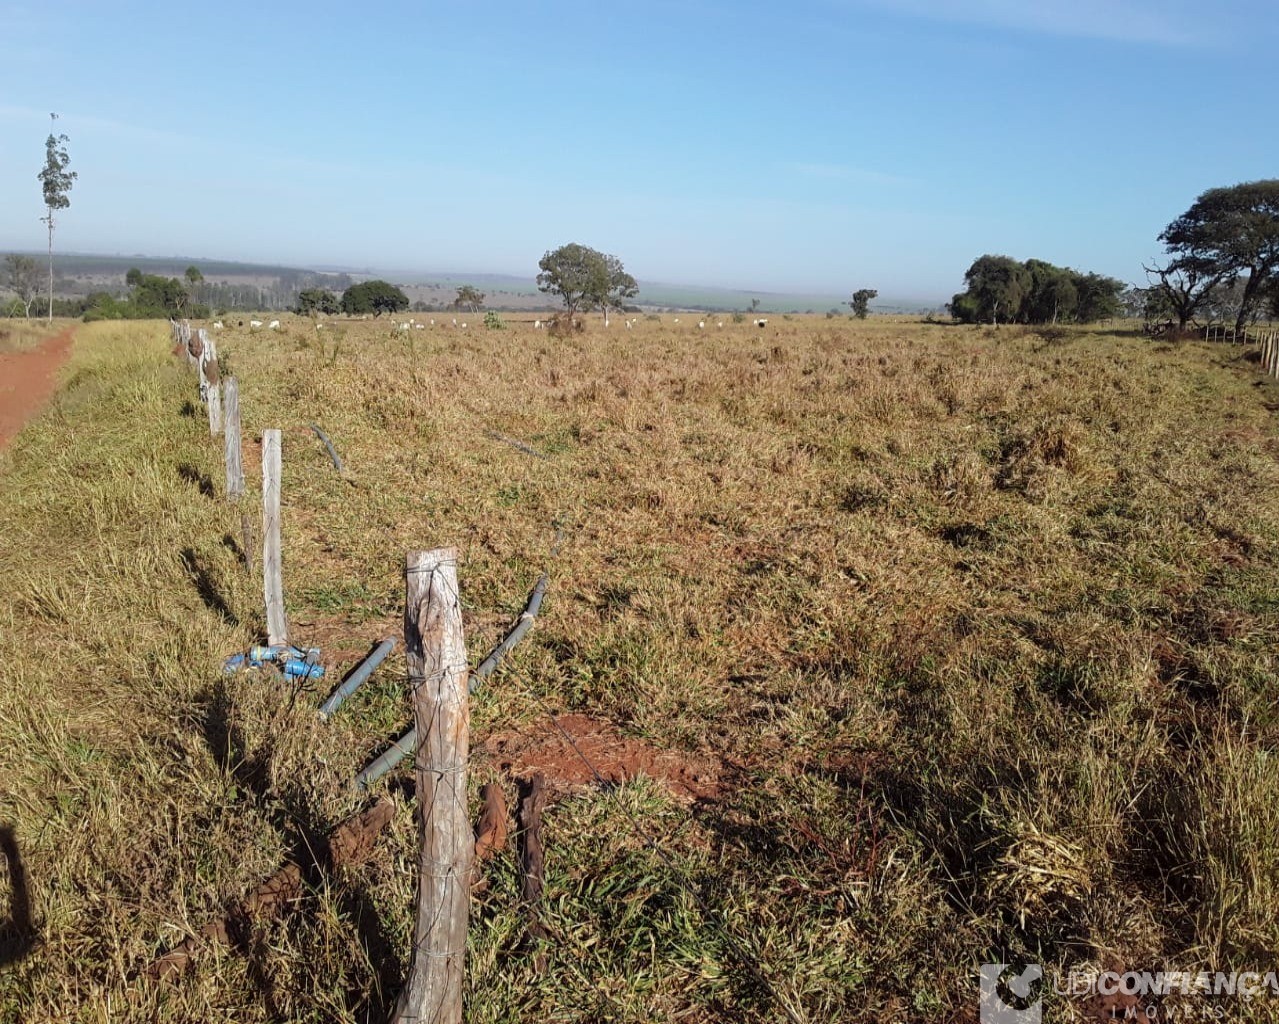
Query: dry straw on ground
[{"x": 976, "y": 630}]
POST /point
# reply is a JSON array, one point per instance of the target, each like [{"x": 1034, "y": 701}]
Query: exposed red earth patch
[
  {"x": 28, "y": 380},
  {"x": 543, "y": 748}
]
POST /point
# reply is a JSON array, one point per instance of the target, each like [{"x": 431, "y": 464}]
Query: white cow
[
  {"x": 404, "y": 327},
  {"x": 255, "y": 323},
  {"x": 274, "y": 325},
  {"x": 701, "y": 324},
  {"x": 217, "y": 325},
  {"x": 761, "y": 323},
  {"x": 537, "y": 325}
]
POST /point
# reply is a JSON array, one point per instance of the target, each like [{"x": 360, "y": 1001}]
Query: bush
[
  {"x": 493, "y": 322},
  {"x": 563, "y": 325}
]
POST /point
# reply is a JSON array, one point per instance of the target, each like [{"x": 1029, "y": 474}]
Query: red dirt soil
[
  {"x": 544, "y": 749},
  {"x": 28, "y": 380}
]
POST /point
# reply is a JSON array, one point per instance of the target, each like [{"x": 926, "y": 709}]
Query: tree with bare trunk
[
  {"x": 1229, "y": 234},
  {"x": 56, "y": 182},
  {"x": 1181, "y": 288},
  {"x": 20, "y": 278},
  {"x": 469, "y": 297}
]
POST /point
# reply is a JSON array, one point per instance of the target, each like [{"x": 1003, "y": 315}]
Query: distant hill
[
  {"x": 512, "y": 292},
  {"x": 82, "y": 273}
]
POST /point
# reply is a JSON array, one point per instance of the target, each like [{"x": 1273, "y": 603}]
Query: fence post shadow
[{"x": 17, "y": 932}]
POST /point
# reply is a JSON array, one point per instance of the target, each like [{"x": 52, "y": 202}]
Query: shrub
[{"x": 563, "y": 325}]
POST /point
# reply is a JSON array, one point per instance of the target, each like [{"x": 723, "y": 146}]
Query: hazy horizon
[{"x": 658, "y": 293}]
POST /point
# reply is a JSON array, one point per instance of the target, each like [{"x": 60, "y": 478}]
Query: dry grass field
[
  {"x": 912, "y": 646},
  {"x": 23, "y": 335}
]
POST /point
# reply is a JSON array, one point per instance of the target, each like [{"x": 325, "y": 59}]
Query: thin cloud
[{"x": 1174, "y": 23}]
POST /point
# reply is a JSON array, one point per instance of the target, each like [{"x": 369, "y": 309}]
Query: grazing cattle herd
[{"x": 412, "y": 324}]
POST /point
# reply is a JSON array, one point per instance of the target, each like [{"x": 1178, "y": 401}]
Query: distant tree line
[
  {"x": 150, "y": 297},
  {"x": 1001, "y": 289}
]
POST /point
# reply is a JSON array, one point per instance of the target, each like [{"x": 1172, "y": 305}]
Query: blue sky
[{"x": 811, "y": 145}]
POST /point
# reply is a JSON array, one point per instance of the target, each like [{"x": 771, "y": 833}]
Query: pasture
[{"x": 904, "y": 647}]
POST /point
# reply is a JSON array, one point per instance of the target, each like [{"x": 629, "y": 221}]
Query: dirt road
[{"x": 27, "y": 380}]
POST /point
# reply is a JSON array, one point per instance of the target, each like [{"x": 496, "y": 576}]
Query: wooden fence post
[
  {"x": 210, "y": 382},
  {"x": 437, "y": 672},
  {"x": 277, "y": 626},
  {"x": 231, "y": 441}
]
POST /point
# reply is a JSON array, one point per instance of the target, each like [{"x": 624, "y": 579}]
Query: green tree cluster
[
  {"x": 585, "y": 278},
  {"x": 151, "y": 298},
  {"x": 317, "y": 300},
  {"x": 1002, "y": 289},
  {"x": 376, "y": 297},
  {"x": 1227, "y": 243},
  {"x": 469, "y": 297},
  {"x": 860, "y": 302}
]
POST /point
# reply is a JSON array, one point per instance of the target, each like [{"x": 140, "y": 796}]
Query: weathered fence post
[
  {"x": 210, "y": 382},
  {"x": 277, "y": 627},
  {"x": 231, "y": 439},
  {"x": 437, "y": 672},
  {"x": 193, "y": 357}
]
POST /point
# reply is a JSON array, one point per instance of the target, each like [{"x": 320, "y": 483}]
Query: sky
[{"x": 808, "y": 145}]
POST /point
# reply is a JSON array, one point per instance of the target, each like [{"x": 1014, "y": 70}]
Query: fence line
[
  {"x": 438, "y": 672},
  {"x": 1268, "y": 356}
]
